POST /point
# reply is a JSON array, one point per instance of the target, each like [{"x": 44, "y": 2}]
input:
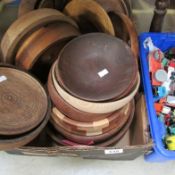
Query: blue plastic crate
[{"x": 164, "y": 41}]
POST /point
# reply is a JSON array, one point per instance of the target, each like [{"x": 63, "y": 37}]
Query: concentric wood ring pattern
[
  {"x": 10, "y": 143},
  {"x": 24, "y": 26},
  {"x": 23, "y": 102}
]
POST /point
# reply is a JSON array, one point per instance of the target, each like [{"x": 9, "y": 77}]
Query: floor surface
[{"x": 26, "y": 165}]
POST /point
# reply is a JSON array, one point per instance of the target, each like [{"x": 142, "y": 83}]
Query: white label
[
  {"x": 103, "y": 73},
  {"x": 114, "y": 151},
  {"x": 166, "y": 110},
  {"x": 3, "y": 78}
]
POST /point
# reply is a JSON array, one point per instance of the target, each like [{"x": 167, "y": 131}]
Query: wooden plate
[
  {"x": 70, "y": 111},
  {"x": 42, "y": 40},
  {"x": 116, "y": 120},
  {"x": 23, "y": 103},
  {"x": 24, "y": 26},
  {"x": 92, "y": 107},
  {"x": 10, "y": 143},
  {"x": 60, "y": 139},
  {"x": 97, "y": 67},
  {"x": 92, "y": 12}
]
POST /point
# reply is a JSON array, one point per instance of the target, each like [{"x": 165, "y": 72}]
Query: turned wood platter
[
  {"x": 91, "y": 11},
  {"x": 13, "y": 142},
  {"x": 23, "y": 102},
  {"x": 41, "y": 40},
  {"x": 97, "y": 67},
  {"x": 92, "y": 107},
  {"x": 24, "y": 26},
  {"x": 67, "y": 109}
]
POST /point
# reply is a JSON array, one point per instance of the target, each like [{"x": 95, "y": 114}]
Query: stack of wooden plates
[{"x": 24, "y": 108}]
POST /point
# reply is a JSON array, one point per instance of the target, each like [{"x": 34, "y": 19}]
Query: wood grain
[
  {"x": 24, "y": 26},
  {"x": 93, "y": 12},
  {"x": 23, "y": 102},
  {"x": 92, "y": 107},
  {"x": 43, "y": 39}
]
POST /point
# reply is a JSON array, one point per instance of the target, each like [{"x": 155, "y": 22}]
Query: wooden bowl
[
  {"x": 92, "y": 107},
  {"x": 70, "y": 111},
  {"x": 23, "y": 102},
  {"x": 26, "y": 6},
  {"x": 88, "y": 139},
  {"x": 127, "y": 27},
  {"x": 60, "y": 139},
  {"x": 41, "y": 40},
  {"x": 97, "y": 67},
  {"x": 12, "y": 142},
  {"x": 90, "y": 11},
  {"x": 118, "y": 6},
  {"x": 116, "y": 120},
  {"x": 24, "y": 26}
]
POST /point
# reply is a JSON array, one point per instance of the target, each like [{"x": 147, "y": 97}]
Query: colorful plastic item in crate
[{"x": 163, "y": 41}]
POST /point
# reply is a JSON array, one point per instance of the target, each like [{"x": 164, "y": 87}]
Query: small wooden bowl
[
  {"x": 68, "y": 110},
  {"x": 115, "y": 120},
  {"x": 23, "y": 102},
  {"x": 10, "y": 143},
  {"x": 97, "y": 67},
  {"x": 41, "y": 40},
  {"x": 92, "y": 107},
  {"x": 24, "y": 26},
  {"x": 60, "y": 139},
  {"x": 91, "y": 11}
]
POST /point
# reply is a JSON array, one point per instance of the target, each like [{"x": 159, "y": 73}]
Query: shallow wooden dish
[
  {"x": 91, "y": 11},
  {"x": 10, "y": 143},
  {"x": 67, "y": 109},
  {"x": 60, "y": 139},
  {"x": 23, "y": 103},
  {"x": 24, "y": 26},
  {"x": 116, "y": 120},
  {"x": 92, "y": 107},
  {"x": 97, "y": 67},
  {"x": 41, "y": 40}
]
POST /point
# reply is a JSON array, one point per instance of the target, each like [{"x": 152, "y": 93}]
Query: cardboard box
[{"x": 136, "y": 142}]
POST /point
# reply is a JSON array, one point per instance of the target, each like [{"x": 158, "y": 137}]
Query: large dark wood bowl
[
  {"x": 94, "y": 107},
  {"x": 97, "y": 67}
]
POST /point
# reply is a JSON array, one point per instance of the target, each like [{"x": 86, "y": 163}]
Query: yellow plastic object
[{"x": 170, "y": 142}]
